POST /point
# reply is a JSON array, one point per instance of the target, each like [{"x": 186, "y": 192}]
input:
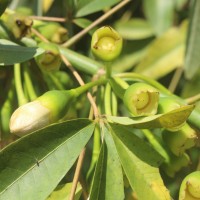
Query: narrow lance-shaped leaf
[
  {"x": 192, "y": 61},
  {"x": 159, "y": 13},
  {"x": 32, "y": 166},
  {"x": 11, "y": 53},
  {"x": 108, "y": 178},
  {"x": 140, "y": 163},
  {"x": 134, "y": 29},
  {"x": 163, "y": 57},
  {"x": 172, "y": 120},
  {"x": 3, "y": 5},
  {"x": 94, "y": 6}
]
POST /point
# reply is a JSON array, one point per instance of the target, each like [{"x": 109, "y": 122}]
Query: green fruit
[
  {"x": 141, "y": 99},
  {"x": 106, "y": 44}
]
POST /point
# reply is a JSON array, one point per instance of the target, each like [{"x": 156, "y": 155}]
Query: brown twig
[
  {"x": 52, "y": 19},
  {"x": 77, "y": 173},
  {"x": 193, "y": 99},
  {"x": 95, "y": 23},
  {"x": 34, "y": 31},
  {"x": 81, "y": 82},
  {"x": 175, "y": 80}
]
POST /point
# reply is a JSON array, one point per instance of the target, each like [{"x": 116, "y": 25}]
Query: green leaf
[
  {"x": 159, "y": 14},
  {"x": 108, "y": 178},
  {"x": 133, "y": 52},
  {"x": 11, "y": 53},
  {"x": 94, "y": 6},
  {"x": 32, "y": 166},
  {"x": 83, "y": 23},
  {"x": 62, "y": 192},
  {"x": 134, "y": 29},
  {"x": 3, "y": 5},
  {"x": 81, "y": 62},
  {"x": 164, "y": 54},
  {"x": 140, "y": 163},
  {"x": 192, "y": 59},
  {"x": 170, "y": 120}
]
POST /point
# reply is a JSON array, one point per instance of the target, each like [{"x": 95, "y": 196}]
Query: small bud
[
  {"x": 190, "y": 187},
  {"x": 141, "y": 99},
  {"x": 54, "y": 32},
  {"x": 106, "y": 43},
  {"x": 176, "y": 164},
  {"x": 50, "y": 60},
  {"x": 181, "y": 140},
  {"x": 46, "y": 109}
]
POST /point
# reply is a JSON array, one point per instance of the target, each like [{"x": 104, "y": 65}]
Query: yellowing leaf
[
  {"x": 164, "y": 54},
  {"x": 172, "y": 120}
]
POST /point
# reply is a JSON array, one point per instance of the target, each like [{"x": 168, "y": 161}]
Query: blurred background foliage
[{"x": 159, "y": 42}]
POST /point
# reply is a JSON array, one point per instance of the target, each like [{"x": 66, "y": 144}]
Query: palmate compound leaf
[
  {"x": 140, "y": 163},
  {"x": 172, "y": 120},
  {"x": 32, "y": 166},
  {"x": 108, "y": 177}
]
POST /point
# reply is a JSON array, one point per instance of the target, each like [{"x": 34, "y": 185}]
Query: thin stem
[
  {"x": 80, "y": 90},
  {"x": 52, "y": 19},
  {"x": 38, "y": 34},
  {"x": 155, "y": 143},
  {"x": 107, "y": 100},
  {"x": 55, "y": 80},
  {"x": 77, "y": 174},
  {"x": 81, "y": 82},
  {"x": 193, "y": 99},
  {"x": 108, "y": 69},
  {"x": 29, "y": 84},
  {"x": 152, "y": 82},
  {"x": 18, "y": 84},
  {"x": 95, "y": 23},
  {"x": 175, "y": 80}
]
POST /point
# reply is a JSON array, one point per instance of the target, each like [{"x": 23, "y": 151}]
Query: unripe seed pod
[
  {"x": 141, "y": 99},
  {"x": 54, "y": 32},
  {"x": 50, "y": 60},
  {"x": 181, "y": 140},
  {"x": 19, "y": 25},
  {"x": 106, "y": 43},
  {"x": 46, "y": 109},
  {"x": 190, "y": 187}
]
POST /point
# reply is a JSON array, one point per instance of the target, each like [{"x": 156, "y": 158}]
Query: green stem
[
  {"x": 18, "y": 84},
  {"x": 29, "y": 84},
  {"x": 55, "y": 81},
  {"x": 114, "y": 103},
  {"x": 108, "y": 69},
  {"x": 107, "y": 100},
  {"x": 135, "y": 76},
  {"x": 95, "y": 151},
  {"x": 157, "y": 146},
  {"x": 84, "y": 88}
]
